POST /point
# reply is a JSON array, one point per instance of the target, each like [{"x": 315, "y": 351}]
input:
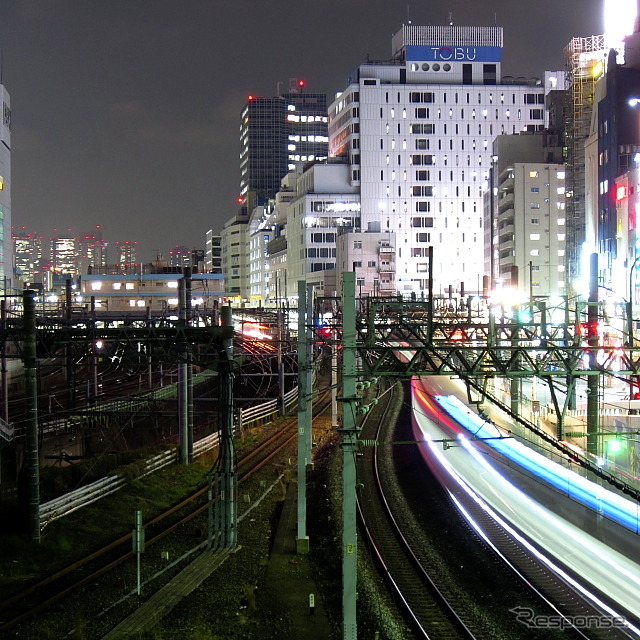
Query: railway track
[
  {"x": 430, "y": 607},
  {"x": 29, "y": 602},
  {"x": 438, "y": 607}
]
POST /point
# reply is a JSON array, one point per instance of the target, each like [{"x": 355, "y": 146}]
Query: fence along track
[{"x": 57, "y": 586}]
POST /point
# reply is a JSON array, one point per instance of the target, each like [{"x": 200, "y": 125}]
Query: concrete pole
[
  {"x": 182, "y": 386},
  {"x": 3, "y": 361},
  {"x": 223, "y": 487},
  {"x": 189, "y": 361},
  {"x": 349, "y": 449},
  {"x": 304, "y": 420},
  {"x": 593, "y": 381},
  {"x": 309, "y": 374},
  {"x": 32, "y": 453}
]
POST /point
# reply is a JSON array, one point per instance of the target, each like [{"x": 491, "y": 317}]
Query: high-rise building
[
  {"x": 418, "y": 132},
  {"x": 93, "y": 252},
  {"x": 28, "y": 255},
  {"x": 180, "y": 257},
  {"x": 584, "y": 60},
  {"x": 275, "y": 134},
  {"x": 127, "y": 256},
  {"x": 64, "y": 254},
  {"x": 525, "y": 217},
  {"x": 6, "y": 245},
  {"x": 213, "y": 253}
]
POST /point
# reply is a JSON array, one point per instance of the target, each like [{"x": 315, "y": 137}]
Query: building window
[
  {"x": 421, "y": 222},
  {"x": 357, "y": 264},
  {"x": 421, "y": 96},
  {"x": 426, "y": 128}
]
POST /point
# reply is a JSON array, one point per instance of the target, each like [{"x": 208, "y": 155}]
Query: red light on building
[
  {"x": 239, "y": 199},
  {"x": 301, "y": 83}
]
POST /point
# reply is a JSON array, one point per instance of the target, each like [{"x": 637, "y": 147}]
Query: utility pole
[
  {"x": 593, "y": 381},
  {"x": 32, "y": 453},
  {"x": 349, "y": 434},
  {"x": 304, "y": 416},
  {"x": 182, "y": 386},
  {"x": 223, "y": 478}
]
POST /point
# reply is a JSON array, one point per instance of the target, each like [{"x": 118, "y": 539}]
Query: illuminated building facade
[
  {"x": 28, "y": 255},
  {"x": 127, "y": 256},
  {"x": 418, "y": 132},
  {"x": 156, "y": 292},
  {"x": 527, "y": 217},
  {"x": 93, "y": 252},
  {"x": 64, "y": 256},
  {"x": 275, "y": 134}
]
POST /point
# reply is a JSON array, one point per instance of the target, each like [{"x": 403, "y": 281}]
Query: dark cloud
[{"x": 126, "y": 113}]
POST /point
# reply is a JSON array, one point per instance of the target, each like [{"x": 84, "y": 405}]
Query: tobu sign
[{"x": 453, "y": 54}]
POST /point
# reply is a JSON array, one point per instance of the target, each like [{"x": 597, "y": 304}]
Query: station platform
[{"x": 288, "y": 585}]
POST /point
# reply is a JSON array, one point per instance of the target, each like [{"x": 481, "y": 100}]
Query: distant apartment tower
[
  {"x": 28, "y": 254},
  {"x": 180, "y": 257},
  {"x": 213, "y": 253},
  {"x": 6, "y": 245},
  {"x": 418, "y": 132},
  {"x": 235, "y": 256},
  {"x": 93, "y": 252},
  {"x": 64, "y": 255},
  {"x": 275, "y": 134},
  {"x": 127, "y": 256}
]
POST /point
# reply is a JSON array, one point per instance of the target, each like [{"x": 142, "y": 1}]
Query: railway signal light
[{"x": 615, "y": 445}]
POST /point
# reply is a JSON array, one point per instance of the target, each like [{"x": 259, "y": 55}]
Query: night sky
[{"x": 125, "y": 113}]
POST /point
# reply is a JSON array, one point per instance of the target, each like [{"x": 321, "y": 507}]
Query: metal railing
[{"x": 84, "y": 496}]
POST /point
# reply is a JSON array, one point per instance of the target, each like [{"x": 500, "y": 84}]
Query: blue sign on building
[{"x": 453, "y": 54}]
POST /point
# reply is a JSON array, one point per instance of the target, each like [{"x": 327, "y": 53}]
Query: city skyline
[{"x": 128, "y": 117}]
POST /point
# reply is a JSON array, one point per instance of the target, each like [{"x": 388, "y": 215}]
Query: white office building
[
  {"x": 325, "y": 206},
  {"x": 417, "y": 132},
  {"x": 527, "y": 217}
]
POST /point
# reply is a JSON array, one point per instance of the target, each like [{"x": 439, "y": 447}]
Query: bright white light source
[{"x": 619, "y": 19}]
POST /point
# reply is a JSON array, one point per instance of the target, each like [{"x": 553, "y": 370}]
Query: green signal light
[{"x": 615, "y": 445}]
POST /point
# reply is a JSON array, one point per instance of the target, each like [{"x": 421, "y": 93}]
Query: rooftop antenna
[
  {"x": 451, "y": 18},
  {"x": 408, "y": 15}
]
